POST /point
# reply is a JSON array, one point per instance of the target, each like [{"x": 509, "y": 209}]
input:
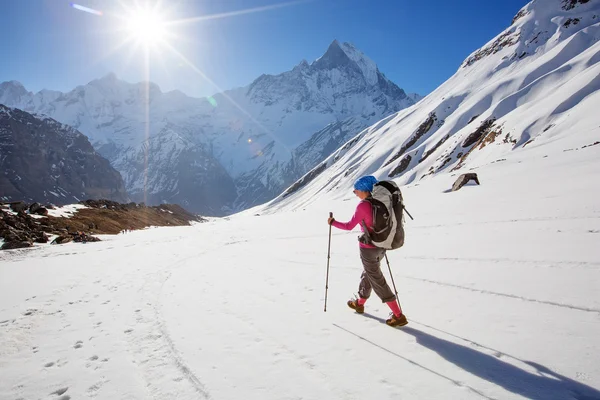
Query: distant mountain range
[{"x": 233, "y": 150}]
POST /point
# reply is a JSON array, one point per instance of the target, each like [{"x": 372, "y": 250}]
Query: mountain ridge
[
  {"x": 46, "y": 161},
  {"x": 527, "y": 89},
  {"x": 244, "y": 136}
]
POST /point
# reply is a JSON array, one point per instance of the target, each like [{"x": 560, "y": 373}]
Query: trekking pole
[
  {"x": 405, "y": 210},
  {"x": 327, "y": 277},
  {"x": 393, "y": 283}
]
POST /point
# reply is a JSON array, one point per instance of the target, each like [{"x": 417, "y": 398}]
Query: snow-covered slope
[
  {"x": 499, "y": 283},
  {"x": 243, "y": 138},
  {"x": 530, "y": 92}
]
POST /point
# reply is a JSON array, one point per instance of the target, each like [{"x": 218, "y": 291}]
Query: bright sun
[{"x": 146, "y": 27}]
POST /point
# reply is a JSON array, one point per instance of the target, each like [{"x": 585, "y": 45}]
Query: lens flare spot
[
  {"x": 86, "y": 9},
  {"x": 212, "y": 101}
]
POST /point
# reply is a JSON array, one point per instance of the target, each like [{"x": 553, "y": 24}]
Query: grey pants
[{"x": 372, "y": 278}]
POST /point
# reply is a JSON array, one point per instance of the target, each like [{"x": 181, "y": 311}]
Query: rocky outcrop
[
  {"x": 507, "y": 39},
  {"x": 570, "y": 4},
  {"x": 485, "y": 127},
  {"x": 431, "y": 151},
  {"x": 419, "y": 133},
  {"x": 300, "y": 183},
  {"x": 402, "y": 166},
  {"x": 44, "y": 160},
  {"x": 21, "y": 228}
]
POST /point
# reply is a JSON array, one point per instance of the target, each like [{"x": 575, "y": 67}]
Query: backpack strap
[{"x": 365, "y": 237}]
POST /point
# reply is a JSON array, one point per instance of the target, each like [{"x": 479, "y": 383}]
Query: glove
[{"x": 330, "y": 221}]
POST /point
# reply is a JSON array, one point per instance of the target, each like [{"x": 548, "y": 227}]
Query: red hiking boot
[
  {"x": 397, "y": 321},
  {"x": 356, "y": 306}
]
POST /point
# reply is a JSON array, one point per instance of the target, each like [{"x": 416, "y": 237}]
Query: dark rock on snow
[{"x": 464, "y": 179}]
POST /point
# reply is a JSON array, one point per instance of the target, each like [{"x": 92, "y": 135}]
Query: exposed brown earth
[{"x": 21, "y": 225}]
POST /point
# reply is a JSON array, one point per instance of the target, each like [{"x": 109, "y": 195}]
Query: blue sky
[{"x": 417, "y": 44}]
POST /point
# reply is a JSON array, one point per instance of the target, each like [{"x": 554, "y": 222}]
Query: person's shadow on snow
[{"x": 543, "y": 385}]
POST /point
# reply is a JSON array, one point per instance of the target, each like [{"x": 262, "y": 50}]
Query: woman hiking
[{"x": 372, "y": 278}]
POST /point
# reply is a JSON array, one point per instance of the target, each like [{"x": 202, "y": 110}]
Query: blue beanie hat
[{"x": 365, "y": 183}]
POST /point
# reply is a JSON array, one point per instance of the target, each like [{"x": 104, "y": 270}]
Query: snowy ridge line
[
  {"x": 416, "y": 364},
  {"x": 537, "y": 74},
  {"x": 513, "y": 296}
]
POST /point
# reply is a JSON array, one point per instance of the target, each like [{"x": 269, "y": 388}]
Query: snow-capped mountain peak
[
  {"x": 366, "y": 65},
  {"x": 12, "y": 92},
  {"x": 340, "y": 55},
  {"x": 109, "y": 79},
  {"x": 533, "y": 89},
  {"x": 255, "y": 140}
]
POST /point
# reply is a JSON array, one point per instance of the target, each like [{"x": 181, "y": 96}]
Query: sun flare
[{"x": 146, "y": 27}]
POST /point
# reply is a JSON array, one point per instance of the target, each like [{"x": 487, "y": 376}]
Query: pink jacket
[{"x": 363, "y": 212}]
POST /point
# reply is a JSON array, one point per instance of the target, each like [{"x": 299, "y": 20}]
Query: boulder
[
  {"x": 83, "y": 238},
  {"x": 464, "y": 179},
  {"x": 15, "y": 245},
  {"x": 40, "y": 237},
  {"x": 62, "y": 239},
  {"x": 18, "y": 206},
  {"x": 42, "y": 211},
  {"x": 34, "y": 208}
]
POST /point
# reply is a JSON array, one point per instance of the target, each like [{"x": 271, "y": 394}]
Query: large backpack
[{"x": 387, "y": 206}]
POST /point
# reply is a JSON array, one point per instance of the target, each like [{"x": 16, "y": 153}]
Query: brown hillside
[{"x": 19, "y": 228}]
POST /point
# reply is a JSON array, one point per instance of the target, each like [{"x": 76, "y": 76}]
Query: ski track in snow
[
  {"x": 551, "y": 303},
  {"x": 416, "y": 364},
  {"x": 148, "y": 337},
  {"x": 153, "y": 345}
]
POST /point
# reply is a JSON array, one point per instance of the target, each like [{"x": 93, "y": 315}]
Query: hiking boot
[
  {"x": 359, "y": 308},
  {"x": 397, "y": 321}
]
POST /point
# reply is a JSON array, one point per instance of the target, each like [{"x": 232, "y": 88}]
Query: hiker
[{"x": 372, "y": 278}]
